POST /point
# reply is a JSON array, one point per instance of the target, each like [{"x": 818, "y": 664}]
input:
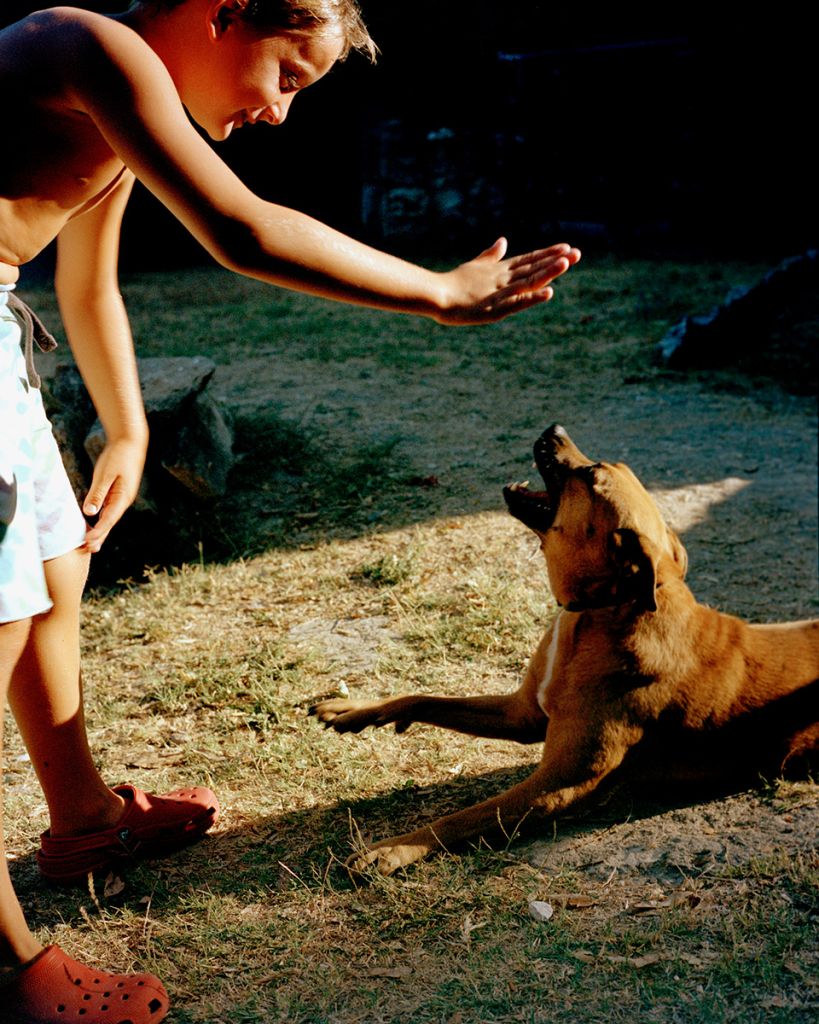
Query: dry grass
[{"x": 205, "y": 673}]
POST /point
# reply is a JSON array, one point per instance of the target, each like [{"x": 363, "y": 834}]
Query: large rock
[
  {"x": 201, "y": 454},
  {"x": 191, "y": 438},
  {"x": 71, "y": 413},
  {"x": 171, "y": 384},
  {"x": 768, "y": 327}
]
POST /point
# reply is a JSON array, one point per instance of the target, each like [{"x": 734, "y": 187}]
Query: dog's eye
[{"x": 590, "y": 530}]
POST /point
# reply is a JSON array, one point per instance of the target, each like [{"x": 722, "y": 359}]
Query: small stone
[{"x": 540, "y": 911}]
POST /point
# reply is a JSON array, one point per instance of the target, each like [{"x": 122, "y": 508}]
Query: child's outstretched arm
[{"x": 118, "y": 80}]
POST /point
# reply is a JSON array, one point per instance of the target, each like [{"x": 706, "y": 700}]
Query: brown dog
[{"x": 632, "y": 674}]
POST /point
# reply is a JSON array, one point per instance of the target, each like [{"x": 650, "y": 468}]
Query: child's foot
[
  {"x": 52, "y": 989},
  {"x": 151, "y": 826}
]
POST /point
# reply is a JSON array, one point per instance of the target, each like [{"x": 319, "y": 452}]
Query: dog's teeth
[{"x": 525, "y": 483}]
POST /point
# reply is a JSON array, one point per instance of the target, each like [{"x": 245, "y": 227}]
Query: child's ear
[{"x": 222, "y": 14}]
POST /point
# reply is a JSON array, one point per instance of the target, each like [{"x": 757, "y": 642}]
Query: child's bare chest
[{"x": 58, "y": 166}]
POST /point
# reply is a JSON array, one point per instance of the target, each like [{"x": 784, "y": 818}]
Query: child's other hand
[
  {"x": 113, "y": 488},
  {"x": 490, "y": 287}
]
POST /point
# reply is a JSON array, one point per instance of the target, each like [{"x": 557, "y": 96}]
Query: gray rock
[
  {"x": 71, "y": 413},
  {"x": 745, "y": 320},
  {"x": 170, "y": 384},
  {"x": 191, "y": 437},
  {"x": 201, "y": 456}
]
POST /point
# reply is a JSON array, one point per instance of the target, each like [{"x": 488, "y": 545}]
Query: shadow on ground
[{"x": 641, "y": 835}]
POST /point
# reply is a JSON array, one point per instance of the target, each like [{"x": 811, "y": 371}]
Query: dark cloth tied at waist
[{"x": 34, "y": 331}]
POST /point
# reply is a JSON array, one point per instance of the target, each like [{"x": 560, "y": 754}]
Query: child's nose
[
  {"x": 274, "y": 114},
  {"x": 282, "y": 107},
  {"x": 277, "y": 112}
]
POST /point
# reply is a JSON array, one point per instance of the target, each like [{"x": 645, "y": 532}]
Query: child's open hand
[
  {"x": 490, "y": 287},
  {"x": 113, "y": 488}
]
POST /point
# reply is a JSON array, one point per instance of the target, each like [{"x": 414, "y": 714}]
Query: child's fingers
[
  {"x": 496, "y": 251},
  {"x": 109, "y": 516},
  {"x": 107, "y": 500},
  {"x": 512, "y": 286},
  {"x": 113, "y": 488},
  {"x": 95, "y": 498},
  {"x": 528, "y": 272},
  {"x": 530, "y": 259},
  {"x": 534, "y": 278},
  {"x": 516, "y": 301},
  {"x": 95, "y": 538}
]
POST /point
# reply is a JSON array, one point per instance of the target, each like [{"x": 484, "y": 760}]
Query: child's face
[{"x": 255, "y": 77}]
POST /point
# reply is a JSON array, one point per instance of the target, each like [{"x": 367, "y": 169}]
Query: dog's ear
[
  {"x": 679, "y": 553},
  {"x": 636, "y": 558}
]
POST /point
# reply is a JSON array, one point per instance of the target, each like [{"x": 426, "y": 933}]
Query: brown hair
[{"x": 342, "y": 16}]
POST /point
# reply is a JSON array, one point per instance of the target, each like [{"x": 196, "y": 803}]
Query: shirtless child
[{"x": 91, "y": 103}]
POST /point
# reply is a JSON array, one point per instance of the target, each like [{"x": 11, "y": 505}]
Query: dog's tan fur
[{"x": 633, "y": 673}]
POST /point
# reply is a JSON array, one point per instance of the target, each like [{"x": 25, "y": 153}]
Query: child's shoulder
[
  {"x": 52, "y": 20},
  {"x": 68, "y": 48},
  {"x": 66, "y": 30}
]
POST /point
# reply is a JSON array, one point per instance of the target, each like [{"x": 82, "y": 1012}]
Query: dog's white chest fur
[{"x": 551, "y": 658}]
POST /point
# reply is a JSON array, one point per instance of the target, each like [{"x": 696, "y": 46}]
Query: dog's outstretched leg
[{"x": 506, "y": 717}]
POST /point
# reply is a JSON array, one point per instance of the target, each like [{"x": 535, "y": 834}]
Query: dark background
[{"x": 678, "y": 129}]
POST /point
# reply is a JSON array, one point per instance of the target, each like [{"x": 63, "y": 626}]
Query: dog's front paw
[
  {"x": 327, "y": 711},
  {"x": 387, "y": 857},
  {"x": 349, "y": 715}
]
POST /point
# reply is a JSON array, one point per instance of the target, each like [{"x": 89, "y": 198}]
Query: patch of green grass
[
  {"x": 388, "y": 570},
  {"x": 486, "y": 616},
  {"x": 249, "y": 685}
]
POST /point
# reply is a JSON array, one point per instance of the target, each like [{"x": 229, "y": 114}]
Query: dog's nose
[
  {"x": 547, "y": 450},
  {"x": 550, "y": 442},
  {"x": 554, "y": 450}
]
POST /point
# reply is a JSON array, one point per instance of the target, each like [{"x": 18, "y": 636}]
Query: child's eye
[{"x": 289, "y": 82}]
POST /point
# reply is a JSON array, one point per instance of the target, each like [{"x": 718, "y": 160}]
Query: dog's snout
[
  {"x": 551, "y": 438},
  {"x": 555, "y": 450},
  {"x": 548, "y": 444}
]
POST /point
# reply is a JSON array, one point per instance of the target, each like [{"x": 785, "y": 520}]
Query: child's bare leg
[
  {"x": 17, "y": 944},
  {"x": 38, "y": 984},
  {"x": 46, "y": 699}
]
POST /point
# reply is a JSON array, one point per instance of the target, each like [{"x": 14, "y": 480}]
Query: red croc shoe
[
  {"x": 151, "y": 826},
  {"x": 53, "y": 988}
]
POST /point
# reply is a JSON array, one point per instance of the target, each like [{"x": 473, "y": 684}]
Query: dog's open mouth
[
  {"x": 533, "y": 508},
  {"x": 537, "y": 509}
]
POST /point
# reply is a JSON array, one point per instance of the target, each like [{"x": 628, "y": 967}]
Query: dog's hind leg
[{"x": 505, "y": 717}]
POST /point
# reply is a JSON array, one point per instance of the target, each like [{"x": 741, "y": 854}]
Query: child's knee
[
  {"x": 13, "y": 639},
  {"x": 66, "y": 577}
]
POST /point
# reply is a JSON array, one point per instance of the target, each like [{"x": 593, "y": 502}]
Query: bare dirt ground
[
  {"x": 731, "y": 460},
  {"x": 732, "y": 464}
]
